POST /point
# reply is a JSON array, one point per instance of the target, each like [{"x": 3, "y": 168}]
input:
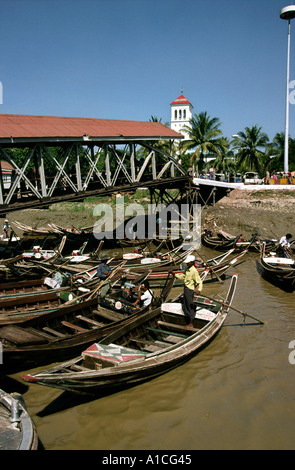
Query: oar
[
  {"x": 235, "y": 309},
  {"x": 209, "y": 267},
  {"x": 106, "y": 280}
]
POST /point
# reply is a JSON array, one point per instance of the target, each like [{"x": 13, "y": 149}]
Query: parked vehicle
[{"x": 252, "y": 177}]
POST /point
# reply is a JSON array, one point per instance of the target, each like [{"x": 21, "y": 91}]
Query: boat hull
[{"x": 121, "y": 366}]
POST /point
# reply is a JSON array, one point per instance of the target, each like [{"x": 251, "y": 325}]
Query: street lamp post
[{"x": 287, "y": 13}]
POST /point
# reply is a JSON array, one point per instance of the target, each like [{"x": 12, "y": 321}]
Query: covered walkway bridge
[{"x": 67, "y": 158}]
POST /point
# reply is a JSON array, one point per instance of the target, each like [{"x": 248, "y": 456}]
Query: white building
[{"x": 181, "y": 113}]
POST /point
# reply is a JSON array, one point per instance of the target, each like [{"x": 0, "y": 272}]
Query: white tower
[{"x": 181, "y": 113}]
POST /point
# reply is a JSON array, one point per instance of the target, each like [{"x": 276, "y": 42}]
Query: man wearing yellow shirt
[{"x": 192, "y": 281}]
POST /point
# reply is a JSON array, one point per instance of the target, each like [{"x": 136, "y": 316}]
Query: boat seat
[
  {"x": 112, "y": 353},
  {"x": 54, "y": 332},
  {"x": 175, "y": 327},
  {"x": 165, "y": 332},
  {"x": 18, "y": 335},
  {"x": 150, "y": 346},
  {"x": 105, "y": 313},
  {"x": 90, "y": 321},
  {"x": 173, "y": 339},
  {"x": 74, "y": 327},
  {"x": 201, "y": 313},
  {"x": 41, "y": 333}
]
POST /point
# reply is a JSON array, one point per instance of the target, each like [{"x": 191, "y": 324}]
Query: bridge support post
[
  {"x": 78, "y": 169},
  {"x": 42, "y": 172}
]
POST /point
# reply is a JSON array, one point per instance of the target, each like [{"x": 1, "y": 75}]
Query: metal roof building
[
  {"x": 24, "y": 128},
  {"x": 93, "y": 155}
]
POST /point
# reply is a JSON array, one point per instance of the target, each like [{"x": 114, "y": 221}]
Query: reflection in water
[{"x": 238, "y": 393}]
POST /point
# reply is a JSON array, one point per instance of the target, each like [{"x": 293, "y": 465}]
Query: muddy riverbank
[{"x": 269, "y": 213}]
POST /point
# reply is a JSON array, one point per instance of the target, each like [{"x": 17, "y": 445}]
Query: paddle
[
  {"x": 235, "y": 309},
  {"x": 209, "y": 267},
  {"x": 106, "y": 280}
]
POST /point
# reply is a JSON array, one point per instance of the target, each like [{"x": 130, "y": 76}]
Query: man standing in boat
[
  {"x": 5, "y": 228},
  {"x": 192, "y": 284}
]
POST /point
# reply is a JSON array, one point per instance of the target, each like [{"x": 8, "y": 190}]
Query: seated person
[
  {"x": 145, "y": 295},
  {"x": 284, "y": 245},
  {"x": 103, "y": 270}
]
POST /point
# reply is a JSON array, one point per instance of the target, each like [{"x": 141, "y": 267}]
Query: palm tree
[
  {"x": 248, "y": 145},
  {"x": 225, "y": 161},
  {"x": 204, "y": 137},
  {"x": 275, "y": 153}
]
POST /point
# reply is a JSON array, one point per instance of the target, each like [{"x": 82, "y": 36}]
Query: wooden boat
[
  {"x": 61, "y": 333},
  {"x": 22, "y": 308},
  {"x": 172, "y": 257},
  {"x": 11, "y": 290},
  {"x": 19, "y": 308},
  {"x": 9, "y": 240},
  {"x": 28, "y": 230},
  {"x": 11, "y": 246},
  {"x": 65, "y": 332},
  {"x": 224, "y": 241},
  {"x": 278, "y": 271},
  {"x": 156, "y": 342},
  {"x": 37, "y": 253},
  {"x": 217, "y": 267},
  {"x": 17, "y": 429},
  {"x": 143, "y": 263}
]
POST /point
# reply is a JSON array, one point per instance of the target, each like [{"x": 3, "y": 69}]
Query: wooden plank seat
[
  {"x": 165, "y": 332},
  {"x": 49, "y": 337},
  {"x": 150, "y": 346},
  {"x": 74, "y": 327},
  {"x": 17, "y": 335},
  {"x": 112, "y": 353},
  {"x": 54, "y": 332},
  {"x": 173, "y": 339},
  {"x": 175, "y": 327},
  {"x": 202, "y": 313},
  {"x": 105, "y": 313},
  {"x": 90, "y": 321}
]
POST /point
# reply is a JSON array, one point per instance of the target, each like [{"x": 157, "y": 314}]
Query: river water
[{"x": 238, "y": 393}]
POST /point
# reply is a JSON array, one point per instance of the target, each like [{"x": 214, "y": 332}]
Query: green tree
[
  {"x": 249, "y": 145},
  {"x": 204, "y": 137},
  {"x": 275, "y": 153},
  {"x": 225, "y": 160}
]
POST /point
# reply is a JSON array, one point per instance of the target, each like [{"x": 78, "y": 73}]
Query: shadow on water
[
  {"x": 10, "y": 385},
  {"x": 69, "y": 400}
]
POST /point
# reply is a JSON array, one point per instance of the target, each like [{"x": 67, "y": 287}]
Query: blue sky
[{"x": 128, "y": 59}]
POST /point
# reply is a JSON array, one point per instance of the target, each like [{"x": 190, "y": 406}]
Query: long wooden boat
[
  {"x": 172, "y": 257},
  {"x": 217, "y": 267},
  {"x": 278, "y": 271},
  {"x": 33, "y": 231},
  {"x": 223, "y": 241},
  {"x": 153, "y": 344},
  {"x": 64, "y": 333},
  {"x": 17, "y": 429},
  {"x": 61, "y": 333},
  {"x": 19, "y": 308}
]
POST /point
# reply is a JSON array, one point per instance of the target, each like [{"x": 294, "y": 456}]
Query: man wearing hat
[
  {"x": 5, "y": 229},
  {"x": 192, "y": 281}
]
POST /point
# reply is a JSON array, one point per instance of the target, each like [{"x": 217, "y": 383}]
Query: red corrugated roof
[
  {"x": 25, "y": 126},
  {"x": 181, "y": 100},
  {"x": 6, "y": 166}
]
